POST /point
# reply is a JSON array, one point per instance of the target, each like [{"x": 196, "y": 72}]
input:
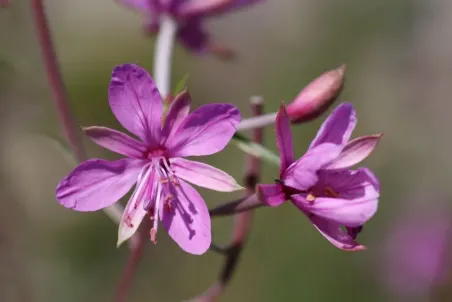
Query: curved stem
[
  {"x": 162, "y": 76},
  {"x": 163, "y": 55},
  {"x": 135, "y": 256},
  {"x": 257, "y": 121},
  {"x": 242, "y": 223},
  {"x": 59, "y": 93}
]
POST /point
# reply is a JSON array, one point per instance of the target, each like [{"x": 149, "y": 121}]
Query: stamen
[
  {"x": 163, "y": 180},
  {"x": 310, "y": 197},
  {"x": 151, "y": 213},
  {"x": 141, "y": 184},
  {"x": 329, "y": 192},
  {"x": 170, "y": 173},
  {"x": 154, "y": 235}
]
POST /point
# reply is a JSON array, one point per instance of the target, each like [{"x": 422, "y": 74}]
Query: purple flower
[
  {"x": 155, "y": 163},
  {"x": 415, "y": 256},
  {"x": 320, "y": 183},
  {"x": 189, "y": 15}
]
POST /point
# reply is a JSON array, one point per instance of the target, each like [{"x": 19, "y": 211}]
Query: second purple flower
[{"x": 338, "y": 201}]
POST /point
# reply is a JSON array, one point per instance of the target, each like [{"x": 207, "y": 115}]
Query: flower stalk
[
  {"x": 242, "y": 224},
  {"x": 59, "y": 92}
]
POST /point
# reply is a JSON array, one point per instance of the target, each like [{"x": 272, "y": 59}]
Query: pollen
[
  {"x": 163, "y": 180},
  {"x": 310, "y": 197},
  {"x": 329, "y": 192},
  {"x": 153, "y": 235},
  {"x": 167, "y": 202}
]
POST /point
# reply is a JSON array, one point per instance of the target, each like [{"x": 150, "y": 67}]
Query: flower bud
[{"x": 317, "y": 96}]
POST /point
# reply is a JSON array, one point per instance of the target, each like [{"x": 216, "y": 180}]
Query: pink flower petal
[
  {"x": 212, "y": 7},
  {"x": 177, "y": 112},
  {"x": 188, "y": 223},
  {"x": 96, "y": 183},
  {"x": 284, "y": 139},
  {"x": 357, "y": 201},
  {"x": 116, "y": 141},
  {"x": 136, "y": 102},
  {"x": 338, "y": 127},
  {"x": 355, "y": 151},
  {"x": 272, "y": 195},
  {"x": 135, "y": 210},
  {"x": 334, "y": 234},
  {"x": 204, "y": 175},
  {"x": 207, "y": 130},
  {"x": 302, "y": 174},
  {"x": 193, "y": 36}
]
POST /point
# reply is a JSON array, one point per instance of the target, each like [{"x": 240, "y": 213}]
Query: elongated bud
[{"x": 317, "y": 96}]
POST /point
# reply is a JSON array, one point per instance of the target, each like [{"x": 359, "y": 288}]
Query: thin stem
[
  {"x": 162, "y": 75},
  {"x": 59, "y": 93},
  {"x": 257, "y": 122},
  {"x": 244, "y": 204},
  {"x": 163, "y": 55},
  {"x": 242, "y": 223},
  {"x": 135, "y": 256}
]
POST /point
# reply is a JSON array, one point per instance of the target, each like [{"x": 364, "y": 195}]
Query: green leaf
[
  {"x": 250, "y": 147},
  {"x": 180, "y": 85}
]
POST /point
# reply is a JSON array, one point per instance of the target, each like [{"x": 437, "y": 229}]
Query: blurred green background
[{"x": 399, "y": 72}]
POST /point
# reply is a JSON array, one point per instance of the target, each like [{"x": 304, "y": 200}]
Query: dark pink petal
[
  {"x": 357, "y": 202},
  {"x": 336, "y": 235},
  {"x": 136, "y": 102},
  {"x": 302, "y": 174},
  {"x": 97, "y": 183},
  {"x": 116, "y": 141},
  {"x": 188, "y": 222},
  {"x": 135, "y": 210},
  {"x": 207, "y": 130},
  {"x": 177, "y": 112},
  {"x": 272, "y": 195},
  {"x": 204, "y": 175},
  {"x": 284, "y": 139},
  {"x": 338, "y": 127},
  {"x": 355, "y": 151},
  {"x": 193, "y": 36},
  {"x": 212, "y": 7}
]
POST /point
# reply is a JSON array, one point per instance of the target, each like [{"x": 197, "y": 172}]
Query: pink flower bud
[{"x": 317, "y": 96}]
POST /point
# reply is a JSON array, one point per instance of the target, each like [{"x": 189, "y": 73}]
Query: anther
[
  {"x": 154, "y": 235},
  {"x": 167, "y": 202},
  {"x": 310, "y": 197},
  {"x": 329, "y": 192},
  {"x": 174, "y": 181},
  {"x": 163, "y": 180},
  {"x": 151, "y": 213}
]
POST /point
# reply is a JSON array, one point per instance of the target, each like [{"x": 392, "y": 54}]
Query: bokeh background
[{"x": 399, "y": 75}]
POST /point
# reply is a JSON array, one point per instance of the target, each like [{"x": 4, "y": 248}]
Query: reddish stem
[
  {"x": 243, "y": 220},
  {"x": 55, "y": 80},
  {"x": 135, "y": 256}
]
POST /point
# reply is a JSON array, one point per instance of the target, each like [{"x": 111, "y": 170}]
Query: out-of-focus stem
[
  {"x": 137, "y": 247},
  {"x": 242, "y": 223},
  {"x": 59, "y": 93},
  {"x": 163, "y": 55},
  {"x": 162, "y": 75},
  {"x": 257, "y": 122},
  {"x": 55, "y": 80}
]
